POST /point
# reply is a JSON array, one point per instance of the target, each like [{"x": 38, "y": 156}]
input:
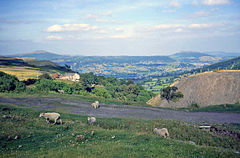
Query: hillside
[
  {"x": 39, "y": 55},
  {"x": 231, "y": 64},
  {"x": 190, "y": 54},
  {"x": 204, "y": 89},
  {"x": 29, "y": 68}
]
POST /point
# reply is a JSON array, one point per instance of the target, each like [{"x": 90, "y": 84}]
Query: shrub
[
  {"x": 45, "y": 76},
  {"x": 10, "y": 83},
  {"x": 169, "y": 93},
  {"x": 194, "y": 106},
  {"x": 46, "y": 85},
  {"x": 101, "y": 92}
]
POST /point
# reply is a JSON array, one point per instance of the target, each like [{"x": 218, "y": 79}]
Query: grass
[
  {"x": 113, "y": 137},
  {"x": 219, "y": 108},
  {"x": 22, "y": 73},
  {"x": 153, "y": 86}
]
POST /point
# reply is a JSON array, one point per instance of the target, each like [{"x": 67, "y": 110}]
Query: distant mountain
[
  {"x": 190, "y": 54},
  {"x": 224, "y": 54},
  {"x": 39, "y": 55}
]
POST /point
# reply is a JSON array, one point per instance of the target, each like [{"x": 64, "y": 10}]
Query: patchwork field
[{"x": 21, "y": 72}]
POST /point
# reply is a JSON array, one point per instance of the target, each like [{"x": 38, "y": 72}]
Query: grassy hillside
[
  {"x": 21, "y": 72},
  {"x": 24, "y": 134},
  {"x": 28, "y": 68},
  {"x": 39, "y": 55},
  {"x": 232, "y": 64}
]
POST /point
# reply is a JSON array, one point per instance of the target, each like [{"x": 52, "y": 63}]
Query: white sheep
[
  {"x": 51, "y": 116},
  {"x": 95, "y": 105},
  {"x": 91, "y": 120},
  {"x": 161, "y": 132}
]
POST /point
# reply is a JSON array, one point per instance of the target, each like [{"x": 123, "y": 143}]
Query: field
[
  {"x": 24, "y": 134},
  {"x": 21, "y": 72},
  {"x": 155, "y": 85}
]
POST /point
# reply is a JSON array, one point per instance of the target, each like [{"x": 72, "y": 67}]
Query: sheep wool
[
  {"x": 95, "y": 105},
  {"x": 162, "y": 132},
  {"x": 91, "y": 120},
  {"x": 51, "y": 116}
]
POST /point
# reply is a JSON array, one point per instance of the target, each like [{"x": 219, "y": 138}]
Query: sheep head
[
  {"x": 155, "y": 129},
  {"x": 42, "y": 114}
]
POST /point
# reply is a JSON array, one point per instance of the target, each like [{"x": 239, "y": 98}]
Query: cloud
[
  {"x": 54, "y": 38},
  {"x": 70, "y": 27},
  {"x": 195, "y": 2},
  {"x": 91, "y": 16},
  {"x": 109, "y": 13},
  {"x": 179, "y": 28},
  {"x": 215, "y": 2},
  {"x": 102, "y": 31},
  {"x": 121, "y": 36},
  {"x": 200, "y": 14},
  {"x": 200, "y": 26},
  {"x": 167, "y": 26},
  {"x": 175, "y": 3}
]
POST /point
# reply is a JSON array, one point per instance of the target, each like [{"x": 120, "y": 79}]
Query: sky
[{"x": 119, "y": 27}]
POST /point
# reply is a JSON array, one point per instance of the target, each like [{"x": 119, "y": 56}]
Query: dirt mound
[{"x": 205, "y": 89}]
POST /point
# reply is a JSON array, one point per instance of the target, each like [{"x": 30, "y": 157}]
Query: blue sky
[{"x": 119, "y": 27}]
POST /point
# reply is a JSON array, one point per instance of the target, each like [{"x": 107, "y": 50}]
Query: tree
[
  {"x": 10, "y": 83},
  {"x": 169, "y": 93},
  {"x": 68, "y": 67},
  {"x": 101, "y": 92},
  {"x": 143, "y": 96},
  {"x": 45, "y": 76}
]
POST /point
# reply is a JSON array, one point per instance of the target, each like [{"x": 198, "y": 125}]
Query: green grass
[
  {"x": 219, "y": 108},
  {"x": 153, "y": 86},
  {"x": 132, "y": 137}
]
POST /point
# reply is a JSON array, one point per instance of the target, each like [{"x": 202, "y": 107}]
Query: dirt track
[{"x": 126, "y": 111}]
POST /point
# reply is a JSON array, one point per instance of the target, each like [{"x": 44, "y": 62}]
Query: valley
[{"x": 152, "y": 72}]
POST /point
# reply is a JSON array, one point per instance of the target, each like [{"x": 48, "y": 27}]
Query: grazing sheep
[
  {"x": 91, "y": 120},
  {"x": 61, "y": 91},
  {"x": 161, "y": 132},
  {"x": 96, "y": 105},
  {"x": 51, "y": 116}
]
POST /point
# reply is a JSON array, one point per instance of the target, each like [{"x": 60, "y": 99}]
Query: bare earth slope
[{"x": 205, "y": 89}]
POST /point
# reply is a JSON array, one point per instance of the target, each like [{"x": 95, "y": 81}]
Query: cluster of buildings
[{"x": 66, "y": 76}]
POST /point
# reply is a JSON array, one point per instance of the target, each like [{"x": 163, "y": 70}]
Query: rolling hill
[
  {"x": 39, "y": 55},
  {"x": 29, "y": 68},
  {"x": 190, "y": 54},
  {"x": 231, "y": 64}
]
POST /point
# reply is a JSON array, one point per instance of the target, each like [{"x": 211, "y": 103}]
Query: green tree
[
  {"x": 45, "y": 76},
  {"x": 169, "y": 93},
  {"x": 143, "y": 96},
  {"x": 101, "y": 92},
  {"x": 89, "y": 78},
  {"x": 10, "y": 83}
]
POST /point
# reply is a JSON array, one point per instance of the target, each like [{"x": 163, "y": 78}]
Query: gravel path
[{"x": 122, "y": 111}]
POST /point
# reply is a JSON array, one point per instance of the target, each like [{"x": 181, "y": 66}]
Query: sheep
[
  {"x": 91, "y": 120},
  {"x": 61, "y": 91},
  {"x": 51, "y": 116},
  {"x": 95, "y": 105},
  {"x": 161, "y": 132}
]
